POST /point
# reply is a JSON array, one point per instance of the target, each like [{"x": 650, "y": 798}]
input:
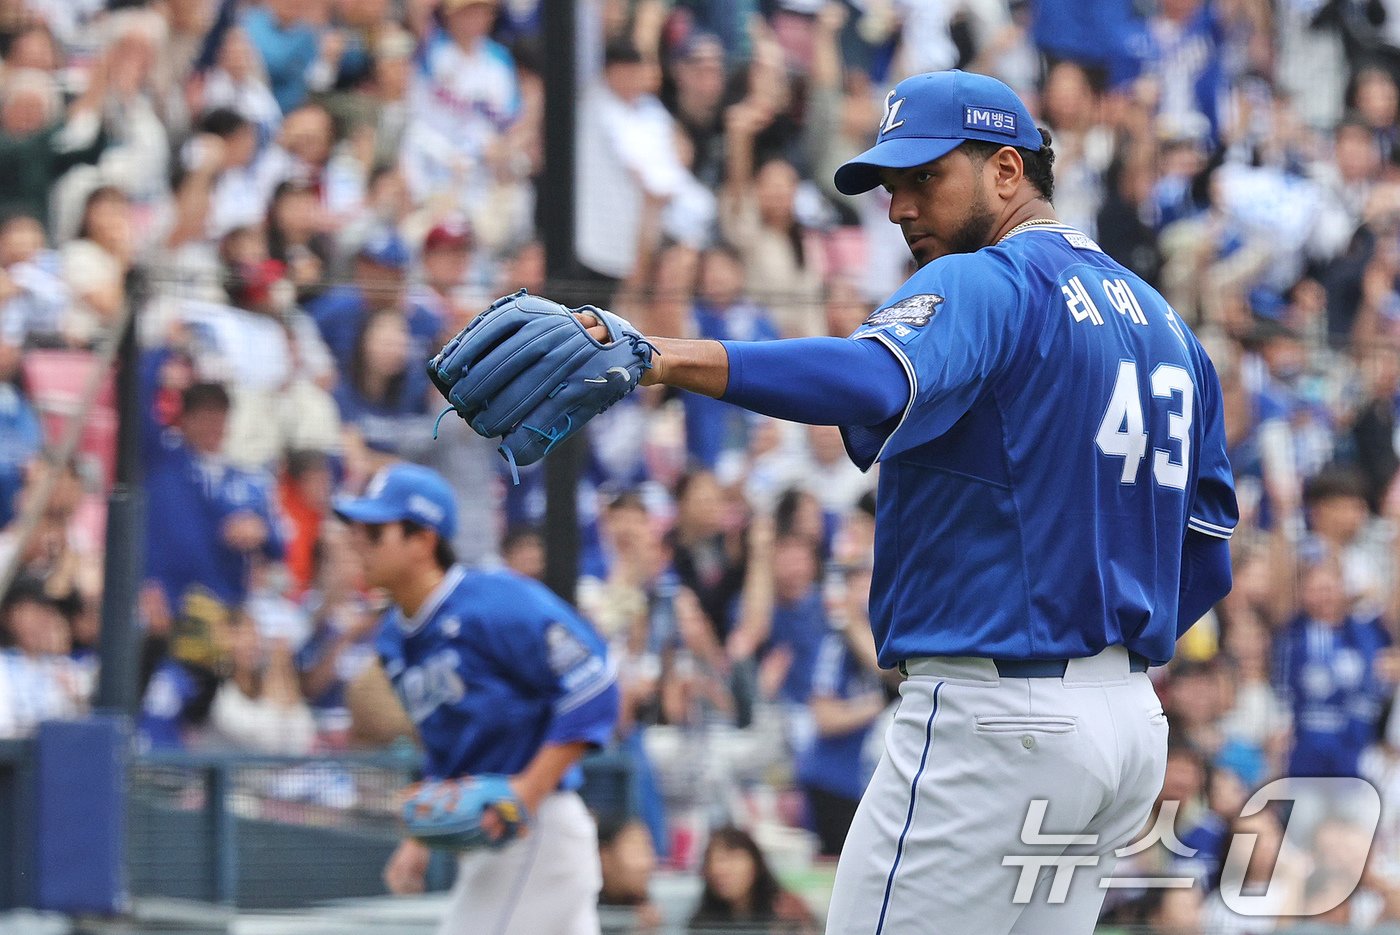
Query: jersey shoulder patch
[
  {"x": 901, "y": 318},
  {"x": 1081, "y": 241},
  {"x": 566, "y": 651}
]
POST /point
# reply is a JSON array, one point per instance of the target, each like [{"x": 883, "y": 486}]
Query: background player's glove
[
  {"x": 525, "y": 370},
  {"x": 448, "y": 813}
]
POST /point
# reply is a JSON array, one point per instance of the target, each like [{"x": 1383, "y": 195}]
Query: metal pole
[
  {"x": 119, "y": 641},
  {"x": 564, "y": 465}
]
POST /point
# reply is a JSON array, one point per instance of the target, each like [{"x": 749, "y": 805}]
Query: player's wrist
[{"x": 657, "y": 372}]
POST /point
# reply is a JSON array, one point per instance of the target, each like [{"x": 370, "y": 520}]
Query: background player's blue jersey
[
  {"x": 493, "y": 667},
  {"x": 1063, "y": 433}
]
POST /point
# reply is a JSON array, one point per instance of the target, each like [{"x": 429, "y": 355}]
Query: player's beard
[{"x": 977, "y": 227}]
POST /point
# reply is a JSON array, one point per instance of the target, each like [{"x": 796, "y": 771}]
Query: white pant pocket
[{"x": 1014, "y": 724}]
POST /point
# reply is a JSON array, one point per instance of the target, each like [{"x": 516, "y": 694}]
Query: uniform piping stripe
[
  {"x": 909, "y": 373},
  {"x": 909, "y": 818},
  {"x": 1210, "y": 529},
  {"x": 589, "y": 691},
  {"x": 449, "y": 582},
  {"x": 518, "y": 890}
]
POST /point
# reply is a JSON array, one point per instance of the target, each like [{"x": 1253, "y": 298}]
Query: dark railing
[{"x": 253, "y": 831}]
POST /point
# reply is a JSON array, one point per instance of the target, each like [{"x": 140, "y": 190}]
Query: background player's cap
[
  {"x": 404, "y": 491},
  {"x": 928, "y": 115}
]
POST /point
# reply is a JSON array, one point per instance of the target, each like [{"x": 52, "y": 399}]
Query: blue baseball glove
[
  {"x": 447, "y": 813},
  {"x": 526, "y": 371}
]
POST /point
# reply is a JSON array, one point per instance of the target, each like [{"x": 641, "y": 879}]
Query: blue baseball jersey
[
  {"x": 493, "y": 667},
  {"x": 1063, "y": 432},
  {"x": 1328, "y": 676}
]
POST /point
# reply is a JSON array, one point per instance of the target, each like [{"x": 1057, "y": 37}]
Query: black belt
[{"x": 1052, "y": 668}]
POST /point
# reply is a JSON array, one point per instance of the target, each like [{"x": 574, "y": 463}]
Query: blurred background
[{"x": 231, "y": 232}]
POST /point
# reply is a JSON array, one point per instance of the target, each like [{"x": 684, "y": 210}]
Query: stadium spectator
[
  {"x": 1335, "y": 669},
  {"x": 629, "y": 152},
  {"x": 259, "y": 707},
  {"x": 33, "y": 294},
  {"x": 41, "y": 141},
  {"x": 341, "y": 645},
  {"x": 239, "y": 83},
  {"x": 846, "y": 702},
  {"x": 628, "y": 862},
  {"x": 291, "y": 48},
  {"x": 463, "y": 98},
  {"x": 95, "y": 266},
  {"x": 707, "y": 556},
  {"x": 38, "y": 680},
  {"x": 295, "y": 238},
  {"x": 447, "y": 264},
  {"x": 740, "y": 889},
  {"x": 380, "y": 269},
  {"x": 522, "y": 551},
  {"x": 383, "y": 392},
  {"x": 206, "y": 518},
  {"x": 304, "y": 498}
]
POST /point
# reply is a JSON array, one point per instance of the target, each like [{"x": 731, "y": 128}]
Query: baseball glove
[
  {"x": 526, "y": 371},
  {"x": 447, "y": 813}
]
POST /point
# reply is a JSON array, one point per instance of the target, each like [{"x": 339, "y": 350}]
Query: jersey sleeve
[
  {"x": 952, "y": 328},
  {"x": 1214, "y": 511},
  {"x": 551, "y": 651}
]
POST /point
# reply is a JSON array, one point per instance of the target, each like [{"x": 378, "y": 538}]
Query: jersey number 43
[{"x": 1123, "y": 430}]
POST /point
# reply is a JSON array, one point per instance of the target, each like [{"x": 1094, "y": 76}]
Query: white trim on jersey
[
  {"x": 449, "y": 581},
  {"x": 1209, "y": 529},
  {"x": 913, "y": 384},
  {"x": 593, "y": 690}
]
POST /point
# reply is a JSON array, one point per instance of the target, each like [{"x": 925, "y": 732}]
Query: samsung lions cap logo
[
  {"x": 989, "y": 120},
  {"x": 888, "y": 121}
]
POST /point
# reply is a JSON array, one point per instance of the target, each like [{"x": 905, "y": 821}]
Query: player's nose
[{"x": 903, "y": 206}]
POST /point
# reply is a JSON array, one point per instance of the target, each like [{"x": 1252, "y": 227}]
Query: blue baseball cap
[
  {"x": 404, "y": 492},
  {"x": 385, "y": 248},
  {"x": 928, "y": 115}
]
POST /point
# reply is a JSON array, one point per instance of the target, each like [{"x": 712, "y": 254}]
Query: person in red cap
[{"x": 447, "y": 259}]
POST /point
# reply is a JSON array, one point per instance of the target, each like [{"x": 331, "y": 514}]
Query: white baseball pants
[
  {"x": 545, "y": 883},
  {"x": 967, "y": 757}
]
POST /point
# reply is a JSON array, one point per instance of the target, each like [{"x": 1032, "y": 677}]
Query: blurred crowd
[{"x": 295, "y": 202}]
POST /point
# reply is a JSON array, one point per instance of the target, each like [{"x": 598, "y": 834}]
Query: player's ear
[{"x": 1009, "y": 171}]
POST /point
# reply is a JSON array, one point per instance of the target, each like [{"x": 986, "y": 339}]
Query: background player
[
  {"x": 499, "y": 676},
  {"x": 1054, "y": 505}
]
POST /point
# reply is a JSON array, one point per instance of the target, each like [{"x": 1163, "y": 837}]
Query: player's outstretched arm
[{"x": 820, "y": 381}]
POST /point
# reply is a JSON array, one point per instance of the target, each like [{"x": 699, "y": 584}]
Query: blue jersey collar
[{"x": 449, "y": 582}]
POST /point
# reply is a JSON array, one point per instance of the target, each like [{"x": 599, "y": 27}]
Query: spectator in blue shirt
[
  {"x": 847, "y": 700},
  {"x": 378, "y": 282},
  {"x": 1336, "y": 671},
  {"x": 721, "y": 313},
  {"x": 289, "y": 46},
  {"x": 384, "y": 388},
  {"x": 207, "y": 520}
]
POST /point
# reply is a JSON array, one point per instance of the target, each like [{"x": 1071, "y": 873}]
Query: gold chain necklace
[{"x": 1033, "y": 222}]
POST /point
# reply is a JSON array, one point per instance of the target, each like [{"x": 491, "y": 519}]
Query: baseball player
[
  {"x": 1054, "y": 509},
  {"x": 506, "y": 685}
]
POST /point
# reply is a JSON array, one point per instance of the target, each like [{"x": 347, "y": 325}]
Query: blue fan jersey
[
  {"x": 493, "y": 667},
  {"x": 1064, "y": 430}
]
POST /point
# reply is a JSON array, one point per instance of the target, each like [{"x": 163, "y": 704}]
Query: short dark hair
[
  {"x": 443, "y": 554},
  {"x": 1334, "y": 482},
  {"x": 1040, "y": 163},
  {"x": 205, "y": 396},
  {"x": 223, "y": 122}
]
